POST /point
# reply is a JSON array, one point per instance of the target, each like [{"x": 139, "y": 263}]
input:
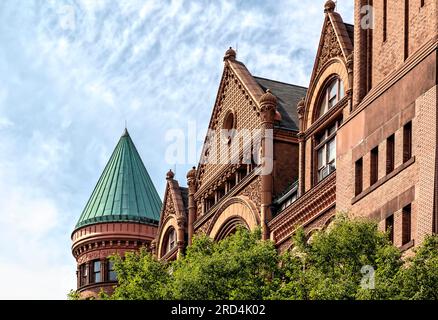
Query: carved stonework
[
  {"x": 330, "y": 49},
  {"x": 204, "y": 228},
  {"x": 300, "y": 108},
  {"x": 96, "y": 255},
  {"x": 253, "y": 191},
  {"x": 169, "y": 207},
  {"x": 181, "y": 221}
]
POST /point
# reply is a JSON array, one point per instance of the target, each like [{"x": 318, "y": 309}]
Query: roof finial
[
  {"x": 268, "y": 97},
  {"x": 329, "y": 6},
  {"x": 125, "y": 132},
  {"x": 230, "y": 54},
  {"x": 170, "y": 175}
]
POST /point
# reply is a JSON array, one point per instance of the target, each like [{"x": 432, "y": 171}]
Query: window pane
[
  {"x": 96, "y": 266},
  {"x": 323, "y": 108},
  {"x": 333, "y": 89},
  {"x": 341, "y": 89},
  {"x": 331, "y": 156},
  {"x": 321, "y": 161},
  {"x": 112, "y": 276},
  {"x": 332, "y": 129}
]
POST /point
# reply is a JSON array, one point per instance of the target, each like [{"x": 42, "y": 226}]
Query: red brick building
[{"x": 360, "y": 139}]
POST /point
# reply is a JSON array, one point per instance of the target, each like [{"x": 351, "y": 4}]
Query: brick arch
[
  {"x": 328, "y": 223},
  {"x": 230, "y": 226},
  {"x": 337, "y": 67},
  {"x": 240, "y": 207},
  {"x": 169, "y": 222}
]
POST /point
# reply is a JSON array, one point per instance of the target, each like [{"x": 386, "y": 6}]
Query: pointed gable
[
  {"x": 239, "y": 92},
  {"x": 334, "y": 57},
  {"x": 335, "y": 42},
  {"x": 175, "y": 200}
]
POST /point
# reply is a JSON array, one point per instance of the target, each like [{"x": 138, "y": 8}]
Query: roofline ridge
[{"x": 289, "y": 84}]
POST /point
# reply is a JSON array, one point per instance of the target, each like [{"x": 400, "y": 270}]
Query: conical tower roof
[{"x": 124, "y": 192}]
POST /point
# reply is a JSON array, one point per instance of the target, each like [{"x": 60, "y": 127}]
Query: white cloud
[
  {"x": 31, "y": 281},
  {"x": 5, "y": 123},
  {"x": 65, "y": 95}
]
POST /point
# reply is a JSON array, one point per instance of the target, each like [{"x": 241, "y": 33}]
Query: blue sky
[{"x": 72, "y": 72}]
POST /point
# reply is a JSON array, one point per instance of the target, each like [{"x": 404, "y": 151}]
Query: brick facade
[
  {"x": 385, "y": 116},
  {"x": 381, "y": 116}
]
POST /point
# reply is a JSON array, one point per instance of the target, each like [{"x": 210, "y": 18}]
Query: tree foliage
[{"x": 349, "y": 260}]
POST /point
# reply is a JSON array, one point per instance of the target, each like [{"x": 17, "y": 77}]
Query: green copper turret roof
[{"x": 124, "y": 192}]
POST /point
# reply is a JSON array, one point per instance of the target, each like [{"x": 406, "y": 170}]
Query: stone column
[
  {"x": 349, "y": 92},
  {"x": 181, "y": 222},
  {"x": 191, "y": 182},
  {"x": 88, "y": 267},
  {"x": 153, "y": 247},
  {"x": 78, "y": 277},
  {"x": 302, "y": 148},
  {"x": 103, "y": 268},
  {"x": 268, "y": 106},
  {"x": 361, "y": 53}
]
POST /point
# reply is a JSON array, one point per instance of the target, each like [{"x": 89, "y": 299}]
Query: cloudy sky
[{"x": 72, "y": 72}]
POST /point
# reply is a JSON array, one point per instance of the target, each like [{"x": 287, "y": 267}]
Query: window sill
[
  {"x": 381, "y": 181},
  {"x": 170, "y": 254},
  {"x": 407, "y": 245}
]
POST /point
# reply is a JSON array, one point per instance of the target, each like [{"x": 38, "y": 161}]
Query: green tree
[
  {"x": 330, "y": 266},
  {"x": 73, "y": 295},
  {"x": 419, "y": 279},
  {"x": 140, "y": 277},
  {"x": 241, "y": 266}
]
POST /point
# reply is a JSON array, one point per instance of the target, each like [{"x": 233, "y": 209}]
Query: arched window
[
  {"x": 333, "y": 93},
  {"x": 228, "y": 127},
  {"x": 229, "y": 121},
  {"x": 170, "y": 241}
]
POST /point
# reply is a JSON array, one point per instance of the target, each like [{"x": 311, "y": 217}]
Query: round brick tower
[{"x": 121, "y": 215}]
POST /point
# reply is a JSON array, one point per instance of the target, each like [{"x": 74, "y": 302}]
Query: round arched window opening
[
  {"x": 331, "y": 95},
  {"x": 229, "y": 126},
  {"x": 169, "y": 241}
]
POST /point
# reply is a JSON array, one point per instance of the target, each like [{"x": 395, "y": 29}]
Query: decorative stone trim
[{"x": 313, "y": 203}]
